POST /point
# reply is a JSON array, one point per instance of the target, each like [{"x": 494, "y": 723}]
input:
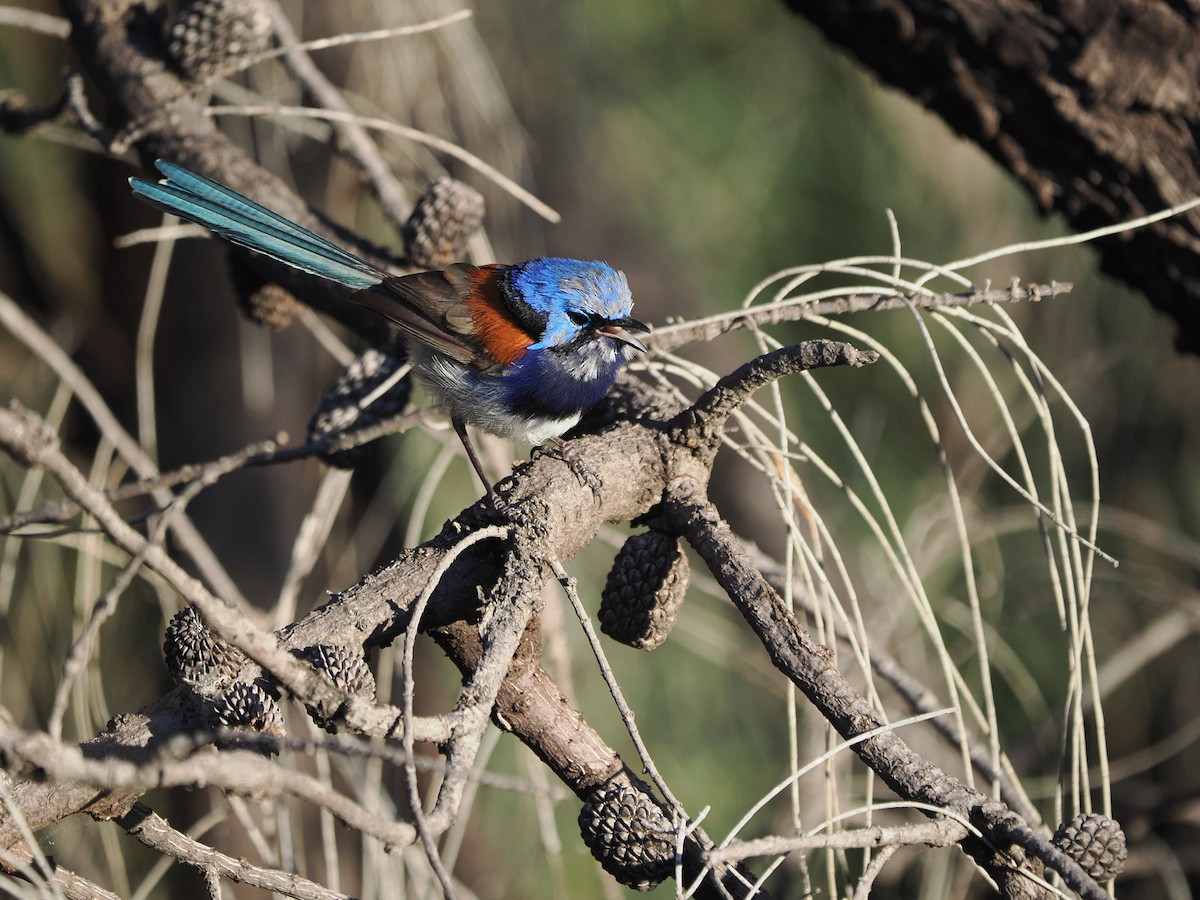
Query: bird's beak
[{"x": 618, "y": 330}]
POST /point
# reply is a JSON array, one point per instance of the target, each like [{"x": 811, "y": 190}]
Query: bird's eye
[{"x": 578, "y": 318}]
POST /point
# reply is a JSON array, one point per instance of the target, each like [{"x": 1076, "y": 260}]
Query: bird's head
[{"x": 569, "y": 302}]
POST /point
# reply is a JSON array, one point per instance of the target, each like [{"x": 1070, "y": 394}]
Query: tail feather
[{"x": 239, "y": 219}]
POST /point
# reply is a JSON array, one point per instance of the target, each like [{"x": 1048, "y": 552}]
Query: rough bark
[{"x": 1093, "y": 107}]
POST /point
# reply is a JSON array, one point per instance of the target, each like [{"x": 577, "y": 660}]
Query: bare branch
[
  {"x": 806, "y": 664},
  {"x": 673, "y": 336},
  {"x": 939, "y": 833},
  {"x": 241, "y": 771},
  {"x": 352, "y": 136},
  {"x": 155, "y": 832},
  {"x": 705, "y": 420}
]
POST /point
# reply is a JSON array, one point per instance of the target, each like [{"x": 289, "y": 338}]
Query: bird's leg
[{"x": 460, "y": 429}]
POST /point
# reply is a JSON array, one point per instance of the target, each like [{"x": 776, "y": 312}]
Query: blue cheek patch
[{"x": 558, "y": 331}]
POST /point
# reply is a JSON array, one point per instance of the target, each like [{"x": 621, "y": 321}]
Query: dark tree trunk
[{"x": 1094, "y": 107}]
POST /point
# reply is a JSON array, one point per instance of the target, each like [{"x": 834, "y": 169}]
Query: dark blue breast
[{"x": 547, "y": 383}]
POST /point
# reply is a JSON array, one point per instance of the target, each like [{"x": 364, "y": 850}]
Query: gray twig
[
  {"x": 671, "y": 337},
  {"x": 354, "y": 138},
  {"x": 155, "y": 832}
]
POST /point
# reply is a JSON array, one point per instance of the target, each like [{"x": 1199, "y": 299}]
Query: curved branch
[
  {"x": 807, "y": 664},
  {"x": 706, "y": 418}
]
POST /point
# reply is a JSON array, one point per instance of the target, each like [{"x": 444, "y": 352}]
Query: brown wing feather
[{"x": 428, "y": 306}]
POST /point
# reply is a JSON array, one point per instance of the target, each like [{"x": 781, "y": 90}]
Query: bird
[{"x": 517, "y": 350}]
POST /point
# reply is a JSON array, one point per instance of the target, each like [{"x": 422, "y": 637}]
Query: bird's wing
[{"x": 431, "y": 306}]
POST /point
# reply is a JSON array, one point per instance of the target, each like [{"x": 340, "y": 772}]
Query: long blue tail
[{"x": 242, "y": 221}]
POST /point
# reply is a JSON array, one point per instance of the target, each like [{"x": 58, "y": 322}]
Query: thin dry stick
[
  {"x": 510, "y": 609},
  {"x": 326, "y": 823},
  {"x": 431, "y": 483},
  {"x": 1071, "y": 239},
  {"x": 968, "y": 566},
  {"x": 453, "y": 843},
  {"x": 163, "y": 864},
  {"x": 43, "y": 346},
  {"x": 144, "y": 348},
  {"x": 310, "y": 541},
  {"x": 406, "y": 679},
  {"x": 940, "y": 833},
  {"x": 237, "y": 770},
  {"x": 614, "y": 690},
  {"x": 353, "y": 136},
  {"x": 834, "y": 302},
  {"x": 866, "y": 881},
  {"x": 30, "y": 485},
  {"x": 1065, "y": 522},
  {"x": 81, "y": 649},
  {"x": 155, "y": 832},
  {"x": 411, "y": 134},
  {"x": 13, "y": 811},
  {"x": 32, "y": 20},
  {"x": 62, "y": 883},
  {"x": 338, "y": 40},
  {"x": 1083, "y": 652},
  {"x": 261, "y": 453},
  {"x": 820, "y": 761},
  {"x": 261, "y": 843},
  {"x": 160, "y": 233}
]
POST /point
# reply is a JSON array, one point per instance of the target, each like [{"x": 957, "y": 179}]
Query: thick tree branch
[
  {"x": 807, "y": 664},
  {"x": 1092, "y": 106}
]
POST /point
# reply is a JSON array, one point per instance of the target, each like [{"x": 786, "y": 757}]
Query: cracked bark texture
[{"x": 1093, "y": 107}]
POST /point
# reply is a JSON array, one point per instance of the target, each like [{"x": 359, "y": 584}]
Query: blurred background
[{"x": 699, "y": 147}]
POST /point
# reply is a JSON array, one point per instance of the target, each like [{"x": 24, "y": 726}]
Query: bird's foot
[{"x": 557, "y": 448}]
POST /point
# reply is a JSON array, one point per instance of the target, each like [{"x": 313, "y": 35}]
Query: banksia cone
[
  {"x": 345, "y": 667},
  {"x": 247, "y": 706},
  {"x": 629, "y": 834},
  {"x": 445, "y": 216},
  {"x": 645, "y": 588},
  {"x": 273, "y": 307},
  {"x": 209, "y": 36},
  {"x": 341, "y": 408},
  {"x": 197, "y": 658},
  {"x": 270, "y": 305},
  {"x": 1096, "y": 842}
]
